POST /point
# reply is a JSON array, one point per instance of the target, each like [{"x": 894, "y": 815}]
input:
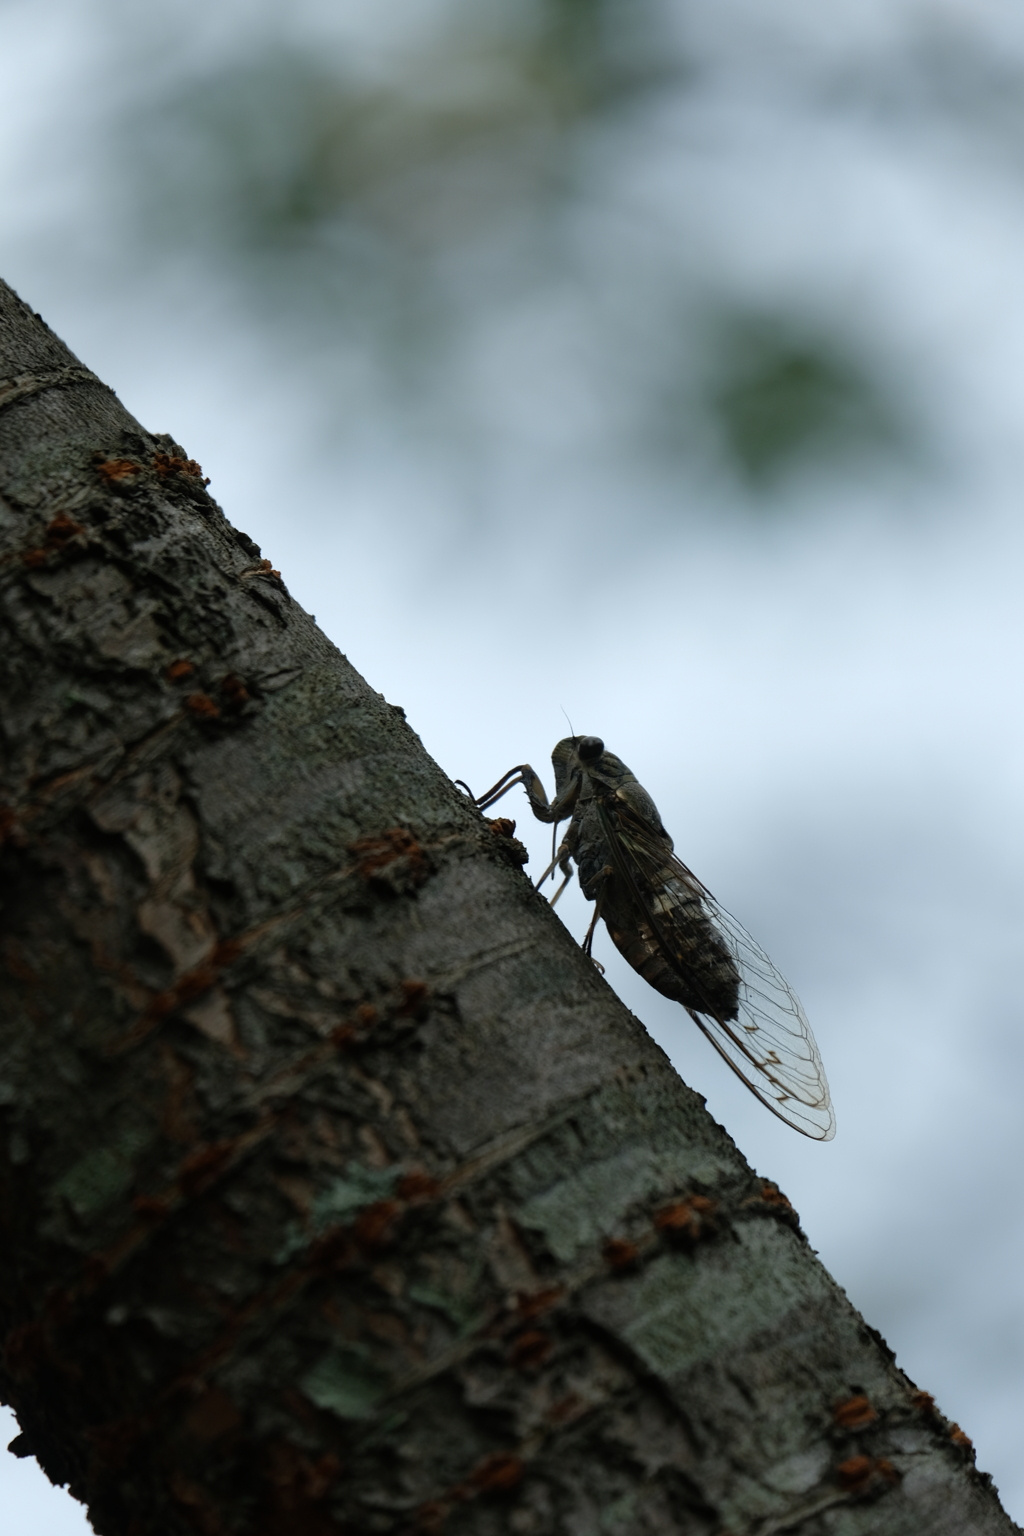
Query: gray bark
[{"x": 338, "y": 1191}]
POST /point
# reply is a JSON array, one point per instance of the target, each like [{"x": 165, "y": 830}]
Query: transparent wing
[
  {"x": 767, "y": 1040},
  {"x": 769, "y": 1044}
]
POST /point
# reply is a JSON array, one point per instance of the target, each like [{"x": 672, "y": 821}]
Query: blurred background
[{"x": 662, "y": 363}]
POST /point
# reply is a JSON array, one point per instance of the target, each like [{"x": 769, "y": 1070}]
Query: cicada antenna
[{"x": 554, "y": 829}]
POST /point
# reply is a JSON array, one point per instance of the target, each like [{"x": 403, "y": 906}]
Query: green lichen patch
[
  {"x": 589, "y": 1205},
  {"x": 358, "y": 1187},
  {"x": 344, "y": 1383},
  {"x": 680, "y": 1310},
  {"x": 458, "y": 1309},
  {"x": 102, "y": 1176},
  {"x": 339, "y": 1203}
]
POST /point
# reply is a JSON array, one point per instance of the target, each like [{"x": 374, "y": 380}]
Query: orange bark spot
[
  {"x": 202, "y": 706},
  {"x": 62, "y": 529},
  {"x": 113, "y": 471},
  {"x": 156, "y": 1207},
  {"x": 234, "y": 691},
  {"x": 418, "y": 1186},
  {"x": 204, "y": 1513},
  {"x": 321, "y": 1474},
  {"x": 858, "y": 1473},
  {"x": 25, "y": 1350},
  {"x": 179, "y": 669},
  {"x": 347, "y": 1033},
  {"x": 227, "y": 951},
  {"x": 771, "y": 1194},
  {"x": 335, "y": 1250},
  {"x": 414, "y": 999},
  {"x": 113, "y": 1442},
  {"x": 530, "y": 1350},
  {"x": 94, "y": 1272},
  {"x": 689, "y": 1218},
  {"x": 200, "y": 1169},
  {"x": 372, "y": 1228},
  {"x": 16, "y": 964},
  {"x": 385, "y": 1325},
  {"x": 161, "y": 1005},
  {"x": 213, "y": 1416},
  {"x": 855, "y": 1472},
  {"x": 497, "y": 1473},
  {"x": 855, "y": 1413},
  {"x": 295, "y": 1486},
  {"x": 620, "y": 1253},
  {"x": 57, "y": 536},
  {"x": 431, "y": 1517},
  {"x": 567, "y": 1408},
  {"x": 263, "y": 569},
  {"x": 531, "y": 1304},
  {"x": 958, "y": 1437},
  {"x": 195, "y": 983},
  {"x": 374, "y": 854},
  {"x": 172, "y": 464}
]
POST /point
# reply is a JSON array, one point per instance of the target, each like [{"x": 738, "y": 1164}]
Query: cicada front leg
[
  {"x": 560, "y": 809},
  {"x": 530, "y": 781}
]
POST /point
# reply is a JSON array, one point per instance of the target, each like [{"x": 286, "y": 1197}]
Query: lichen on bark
[{"x": 338, "y": 1191}]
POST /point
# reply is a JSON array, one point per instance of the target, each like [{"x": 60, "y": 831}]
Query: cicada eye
[{"x": 589, "y": 748}]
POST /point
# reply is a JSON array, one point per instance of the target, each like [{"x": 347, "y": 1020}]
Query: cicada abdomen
[
  {"x": 675, "y": 947},
  {"x": 655, "y": 912}
]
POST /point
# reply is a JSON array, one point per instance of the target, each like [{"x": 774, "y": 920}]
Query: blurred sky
[{"x": 661, "y": 363}]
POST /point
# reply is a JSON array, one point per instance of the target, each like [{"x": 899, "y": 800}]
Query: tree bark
[{"x": 338, "y": 1191}]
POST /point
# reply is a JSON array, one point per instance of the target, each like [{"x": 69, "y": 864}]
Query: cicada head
[{"x": 572, "y": 756}]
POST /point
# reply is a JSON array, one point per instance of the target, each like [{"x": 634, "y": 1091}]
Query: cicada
[{"x": 671, "y": 929}]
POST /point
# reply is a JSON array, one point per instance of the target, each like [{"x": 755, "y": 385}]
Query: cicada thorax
[
  {"x": 657, "y": 922},
  {"x": 666, "y": 934}
]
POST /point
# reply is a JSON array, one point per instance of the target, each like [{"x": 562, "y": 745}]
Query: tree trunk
[{"x": 339, "y": 1193}]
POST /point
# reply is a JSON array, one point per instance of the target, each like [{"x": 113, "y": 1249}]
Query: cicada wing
[
  {"x": 769, "y": 1043},
  {"x": 763, "y": 1034}
]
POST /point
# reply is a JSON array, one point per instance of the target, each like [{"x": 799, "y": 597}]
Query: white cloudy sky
[{"x": 463, "y": 352}]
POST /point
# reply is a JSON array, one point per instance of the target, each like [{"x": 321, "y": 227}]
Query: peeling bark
[{"x": 338, "y": 1191}]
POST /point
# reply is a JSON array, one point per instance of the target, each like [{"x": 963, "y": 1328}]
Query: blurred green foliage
[
  {"x": 783, "y": 399},
  {"x": 282, "y": 147},
  {"x": 404, "y": 203}
]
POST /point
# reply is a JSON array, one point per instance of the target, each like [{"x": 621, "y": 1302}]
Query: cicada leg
[
  {"x": 561, "y": 860},
  {"x": 557, "y": 811},
  {"x": 600, "y": 880},
  {"x": 505, "y": 783}
]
